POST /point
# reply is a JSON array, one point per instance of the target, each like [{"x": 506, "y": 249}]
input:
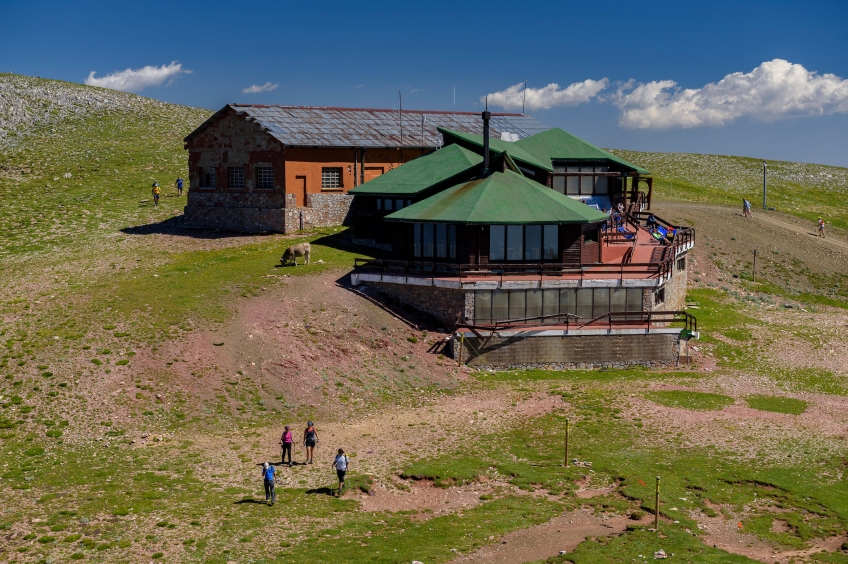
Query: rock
[
  {"x": 454, "y": 550},
  {"x": 84, "y": 520},
  {"x": 562, "y": 552},
  {"x": 417, "y": 562},
  {"x": 660, "y": 554},
  {"x": 67, "y": 175},
  {"x": 145, "y": 435}
]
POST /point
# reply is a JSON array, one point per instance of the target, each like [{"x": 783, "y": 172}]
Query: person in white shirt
[{"x": 341, "y": 463}]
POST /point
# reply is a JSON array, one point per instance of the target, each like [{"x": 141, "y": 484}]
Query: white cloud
[
  {"x": 135, "y": 80},
  {"x": 267, "y": 87},
  {"x": 547, "y": 97},
  {"x": 775, "y": 89}
]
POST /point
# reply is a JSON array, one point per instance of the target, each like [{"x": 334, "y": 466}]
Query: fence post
[
  {"x": 565, "y": 459},
  {"x": 461, "y": 343},
  {"x": 657, "y": 506}
]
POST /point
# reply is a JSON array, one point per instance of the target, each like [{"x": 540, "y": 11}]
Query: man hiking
[
  {"x": 156, "y": 192},
  {"x": 179, "y": 184},
  {"x": 268, "y": 472},
  {"x": 310, "y": 438},
  {"x": 341, "y": 463},
  {"x": 286, "y": 443},
  {"x": 820, "y": 228}
]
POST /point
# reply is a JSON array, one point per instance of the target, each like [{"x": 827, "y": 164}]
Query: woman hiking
[
  {"x": 310, "y": 437},
  {"x": 341, "y": 463},
  {"x": 268, "y": 479},
  {"x": 286, "y": 443}
]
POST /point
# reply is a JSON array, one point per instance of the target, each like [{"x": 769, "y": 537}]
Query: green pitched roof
[
  {"x": 422, "y": 173},
  {"x": 498, "y": 146},
  {"x": 557, "y": 144},
  {"x": 500, "y": 198}
]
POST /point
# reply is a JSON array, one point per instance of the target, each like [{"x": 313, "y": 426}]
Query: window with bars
[
  {"x": 208, "y": 177},
  {"x": 331, "y": 178},
  {"x": 265, "y": 178},
  {"x": 235, "y": 177},
  {"x": 588, "y": 303}
]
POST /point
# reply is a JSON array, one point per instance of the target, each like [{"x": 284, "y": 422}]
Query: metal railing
[{"x": 572, "y": 321}]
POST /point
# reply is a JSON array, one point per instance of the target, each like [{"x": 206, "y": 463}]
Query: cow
[{"x": 291, "y": 254}]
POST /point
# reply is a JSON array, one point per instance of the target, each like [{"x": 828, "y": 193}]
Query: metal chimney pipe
[{"x": 487, "y": 115}]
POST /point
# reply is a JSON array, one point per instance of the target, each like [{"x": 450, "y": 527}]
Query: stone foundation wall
[
  {"x": 442, "y": 303},
  {"x": 256, "y": 212},
  {"x": 569, "y": 352}
]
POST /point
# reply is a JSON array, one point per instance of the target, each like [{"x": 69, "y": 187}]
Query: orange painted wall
[{"x": 306, "y": 164}]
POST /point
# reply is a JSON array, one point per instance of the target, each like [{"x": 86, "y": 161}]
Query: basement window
[
  {"x": 235, "y": 177},
  {"x": 681, "y": 263},
  {"x": 331, "y": 178},
  {"x": 208, "y": 177},
  {"x": 265, "y": 178},
  {"x": 659, "y": 296}
]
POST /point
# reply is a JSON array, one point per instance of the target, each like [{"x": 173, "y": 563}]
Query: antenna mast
[{"x": 525, "y": 96}]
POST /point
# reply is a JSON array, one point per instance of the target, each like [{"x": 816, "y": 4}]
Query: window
[
  {"x": 572, "y": 183},
  {"x": 588, "y": 303},
  {"x": 331, "y": 178},
  {"x": 590, "y": 236},
  {"x": 208, "y": 177},
  {"x": 388, "y": 205},
  {"x": 659, "y": 296},
  {"x": 523, "y": 242},
  {"x": 235, "y": 177},
  {"x": 584, "y": 184},
  {"x": 398, "y": 204},
  {"x": 431, "y": 240},
  {"x": 264, "y": 178},
  {"x": 497, "y": 243},
  {"x": 681, "y": 263},
  {"x": 379, "y": 203}
]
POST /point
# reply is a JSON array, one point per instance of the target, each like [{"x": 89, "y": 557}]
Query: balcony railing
[{"x": 638, "y": 319}]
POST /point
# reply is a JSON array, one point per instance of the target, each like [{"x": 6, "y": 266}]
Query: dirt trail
[{"x": 548, "y": 539}]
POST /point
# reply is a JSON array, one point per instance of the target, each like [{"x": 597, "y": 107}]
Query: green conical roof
[
  {"x": 500, "y": 198},
  {"x": 556, "y": 144},
  {"x": 423, "y": 173},
  {"x": 498, "y": 146}
]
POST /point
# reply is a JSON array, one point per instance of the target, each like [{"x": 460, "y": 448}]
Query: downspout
[
  {"x": 362, "y": 168},
  {"x": 355, "y": 168}
]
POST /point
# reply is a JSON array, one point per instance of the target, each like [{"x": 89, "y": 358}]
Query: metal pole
[
  {"x": 764, "y": 185},
  {"x": 461, "y": 342},
  {"x": 657, "y": 506},
  {"x": 525, "y": 96},
  {"x": 565, "y": 460}
]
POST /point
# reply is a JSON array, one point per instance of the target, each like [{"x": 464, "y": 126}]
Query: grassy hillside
[{"x": 801, "y": 189}]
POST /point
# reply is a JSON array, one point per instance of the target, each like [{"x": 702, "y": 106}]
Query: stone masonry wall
[
  {"x": 563, "y": 353},
  {"x": 323, "y": 210},
  {"x": 442, "y": 303}
]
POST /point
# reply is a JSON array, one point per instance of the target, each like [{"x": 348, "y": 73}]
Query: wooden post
[
  {"x": 657, "y": 506},
  {"x": 565, "y": 460},
  {"x": 461, "y": 342},
  {"x": 754, "y": 273}
]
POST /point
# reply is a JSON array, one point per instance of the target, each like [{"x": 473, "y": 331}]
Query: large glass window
[
  {"x": 588, "y": 303},
  {"x": 497, "y": 243},
  {"x": 533, "y": 242},
  {"x": 428, "y": 229},
  {"x": 572, "y": 182},
  {"x": 551, "y": 239},
  {"x": 434, "y": 240},
  {"x": 587, "y": 183},
  {"x": 416, "y": 240},
  {"x": 452, "y": 241},
  {"x": 441, "y": 240},
  {"x": 514, "y": 242}
]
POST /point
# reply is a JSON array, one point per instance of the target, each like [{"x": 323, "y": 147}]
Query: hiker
[
  {"x": 268, "y": 472},
  {"x": 286, "y": 443},
  {"x": 310, "y": 437},
  {"x": 820, "y": 227},
  {"x": 746, "y": 208},
  {"x": 179, "y": 184},
  {"x": 156, "y": 192},
  {"x": 652, "y": 222},
  {"x": 341, "y": 463}
]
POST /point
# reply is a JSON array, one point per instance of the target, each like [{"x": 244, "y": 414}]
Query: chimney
[{"x": 487, "y": 115}]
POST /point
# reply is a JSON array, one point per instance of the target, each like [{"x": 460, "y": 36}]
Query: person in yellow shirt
[{"x": 156, "y": 192}]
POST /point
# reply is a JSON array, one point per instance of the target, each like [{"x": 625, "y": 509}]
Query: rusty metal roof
[{"x": 303, "y": 126}]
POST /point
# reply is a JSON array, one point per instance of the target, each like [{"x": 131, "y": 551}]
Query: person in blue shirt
[
  {"x": 179, "y": 185},
  {"x": 268, "y": 472}
]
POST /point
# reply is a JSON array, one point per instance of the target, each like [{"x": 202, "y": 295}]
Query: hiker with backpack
[
  {"x": 179, "y": 184},
  {"x": 286, "y": 443},
  {"x": 341, "y": 464},
  {"x": 156, "y": 191},
  {"x": 268, "y": 472},
  {"x": 310, "y": 439}
]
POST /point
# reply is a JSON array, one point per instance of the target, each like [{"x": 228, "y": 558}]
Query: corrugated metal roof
[
  {"x": 423, "y": 173},
  {"x": 502, "y": 198},
  {"x": 360, "y": 127}
]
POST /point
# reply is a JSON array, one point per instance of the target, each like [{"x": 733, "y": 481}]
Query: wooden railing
[{"x": 608, "y": 320}]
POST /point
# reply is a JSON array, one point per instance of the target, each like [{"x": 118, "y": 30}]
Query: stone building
[
  {"x": 261, "y": 168},
  {"x": 520, "y": 260}
]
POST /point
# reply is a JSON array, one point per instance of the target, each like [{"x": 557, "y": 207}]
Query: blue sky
[{"x": 784, "y": 104}]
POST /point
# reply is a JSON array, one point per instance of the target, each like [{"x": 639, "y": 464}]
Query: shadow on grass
[
  {"x": 174, "y": 226},
  {"x": 250, "y": 500},
  {"x": 321, "y": 491}
]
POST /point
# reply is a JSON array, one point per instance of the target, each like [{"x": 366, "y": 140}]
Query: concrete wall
[{"x": 590, "y": 351}]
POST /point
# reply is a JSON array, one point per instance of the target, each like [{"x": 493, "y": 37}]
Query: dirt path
[{"x": 543, "y": 541}]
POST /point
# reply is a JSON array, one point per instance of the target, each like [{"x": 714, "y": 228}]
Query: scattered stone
[
  {"x": 660, "y": 554},
  {"x": 67, "y": 175}
]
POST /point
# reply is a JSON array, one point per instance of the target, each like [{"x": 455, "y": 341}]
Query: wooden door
[{"x": 372, "y": 172}]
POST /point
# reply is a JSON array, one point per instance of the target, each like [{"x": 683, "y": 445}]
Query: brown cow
[{"x": 291, "y": 254}]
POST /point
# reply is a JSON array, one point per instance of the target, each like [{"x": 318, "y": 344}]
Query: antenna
[
  {"x": 525, "y": 96},
  {"x": 423, "y": 119},
  {"x": 400, "y": 116}
]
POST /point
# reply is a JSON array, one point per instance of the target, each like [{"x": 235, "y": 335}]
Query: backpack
[{"x": 341, "y": 462}]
